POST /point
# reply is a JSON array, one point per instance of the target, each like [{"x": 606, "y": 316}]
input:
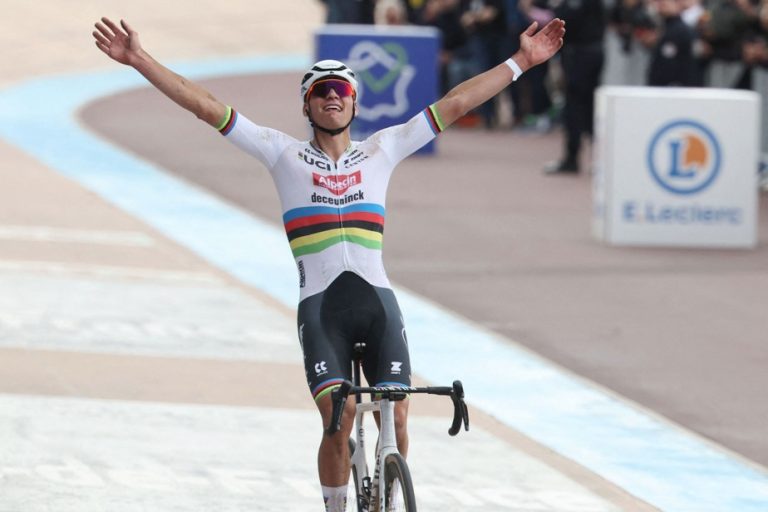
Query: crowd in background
[{"x": 698, "y": 43}]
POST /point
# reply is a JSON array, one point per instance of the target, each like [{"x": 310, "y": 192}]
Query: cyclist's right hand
[
  {"x": 122, "y": 45},
  {"x": 119, "y": 44}
]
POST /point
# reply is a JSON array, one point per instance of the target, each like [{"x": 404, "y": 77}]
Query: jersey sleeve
[
  {"x": 401, "y": 140},
  {"x": 266, "y": 144}
]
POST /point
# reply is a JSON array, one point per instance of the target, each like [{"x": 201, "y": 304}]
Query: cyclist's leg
[
  {"x": 387, "y": 362},
  {"x": 333, "y": 455},
  {"x": 326, "y": 365}
]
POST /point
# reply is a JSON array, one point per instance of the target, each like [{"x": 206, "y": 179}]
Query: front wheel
[{"x": 398, "y": 486}]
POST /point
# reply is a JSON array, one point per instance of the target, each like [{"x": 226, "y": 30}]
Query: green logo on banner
[{"x": 378, "y": 85}]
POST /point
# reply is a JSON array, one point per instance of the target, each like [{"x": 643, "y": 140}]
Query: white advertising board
[{"x": 676, "y": 167}]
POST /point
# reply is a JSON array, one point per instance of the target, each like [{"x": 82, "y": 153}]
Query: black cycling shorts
[{"x": 352, "y": 311}]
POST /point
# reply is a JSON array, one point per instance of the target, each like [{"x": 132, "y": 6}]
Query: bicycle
[{"x": 394, "y": 491}]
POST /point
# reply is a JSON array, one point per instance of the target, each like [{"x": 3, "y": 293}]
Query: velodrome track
[{"x": 149, "y": 361}]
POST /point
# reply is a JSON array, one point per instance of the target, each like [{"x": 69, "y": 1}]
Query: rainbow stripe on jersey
[{"x": 313, "y": 229}]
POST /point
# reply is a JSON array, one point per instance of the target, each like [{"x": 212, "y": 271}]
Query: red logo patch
[{"x": 338, "y": 184}]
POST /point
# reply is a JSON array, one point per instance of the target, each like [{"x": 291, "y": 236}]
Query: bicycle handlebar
[{"x": 456, "y": 392}]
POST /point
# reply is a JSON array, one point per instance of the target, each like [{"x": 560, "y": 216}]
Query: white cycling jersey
[{"x": 333, "y": 212}]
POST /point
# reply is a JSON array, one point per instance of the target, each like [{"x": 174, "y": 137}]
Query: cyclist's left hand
[{"x": 537, "y": 47}]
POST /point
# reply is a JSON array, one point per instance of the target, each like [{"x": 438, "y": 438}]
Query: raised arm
[
  {"x": 122, "y": 45},
  {"x": 535, "y": 48}
]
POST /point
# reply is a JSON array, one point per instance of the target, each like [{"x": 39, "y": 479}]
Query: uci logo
[{"x": 684, "y": 157}]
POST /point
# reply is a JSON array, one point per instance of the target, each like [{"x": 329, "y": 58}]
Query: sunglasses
[{"x": 322, "y": 88}]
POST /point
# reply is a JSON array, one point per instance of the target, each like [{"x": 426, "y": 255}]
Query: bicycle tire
[{"x": 398, "y": 486}]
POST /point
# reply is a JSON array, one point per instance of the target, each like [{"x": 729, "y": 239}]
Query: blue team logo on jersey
[{"x": 684, "y": 157}]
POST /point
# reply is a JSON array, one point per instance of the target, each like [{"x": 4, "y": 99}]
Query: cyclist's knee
[{"x": 347, "y": 418}]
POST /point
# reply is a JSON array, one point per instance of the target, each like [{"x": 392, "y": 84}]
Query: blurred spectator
[
  {"x": 693, "y": 11},
  {"x": 757, "y": 50},
  {"x": 628, "y": 17},
  {"x": 693, "y": 15},
  {"x": 582, "y": 59},
  {"x": 349, "y": 11},
  {"x": 517, "y": 22},
  {"x": 672, "y": 61},
  {"x": 455, "y": 57},
  {"x": 485, "y": 24},
  {"x": 533, "y": 84},
  {"x": 758, "y": 53},
  {"x": 626, "y": 60},
  {"x": 389, "y": 12},
  {"x": 725, "y": 28}
]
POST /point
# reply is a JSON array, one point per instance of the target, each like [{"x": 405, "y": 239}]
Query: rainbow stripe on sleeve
[
  {"x": 315, "y": 228},
  {"x": 228, "y": 121},
  {"x": 434, "y": 119}
]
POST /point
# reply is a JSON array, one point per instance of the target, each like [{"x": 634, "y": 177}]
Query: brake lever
[
  {"x": 339, "y": 400},
  {"x": 460, "y": 411}
]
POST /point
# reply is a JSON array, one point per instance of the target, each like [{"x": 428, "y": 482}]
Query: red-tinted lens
[{"x": 323, "y": 87}]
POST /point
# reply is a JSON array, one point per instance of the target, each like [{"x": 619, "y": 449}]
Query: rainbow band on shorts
[{"x": 325, "y": 387}]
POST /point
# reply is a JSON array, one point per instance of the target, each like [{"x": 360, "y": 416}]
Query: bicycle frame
[{"x": 371, "y": 492}]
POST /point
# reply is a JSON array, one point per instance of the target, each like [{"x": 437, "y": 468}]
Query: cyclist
[{"x": 332, "y": 191}]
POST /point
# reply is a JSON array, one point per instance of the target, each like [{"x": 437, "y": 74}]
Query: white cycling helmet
[{"x": 327, "y": 69}]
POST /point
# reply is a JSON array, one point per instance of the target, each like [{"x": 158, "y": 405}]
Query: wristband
[{"x": 514, "y": 67}]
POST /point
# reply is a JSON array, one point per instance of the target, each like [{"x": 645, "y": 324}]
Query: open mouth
[{"x": 332, "y": 108}]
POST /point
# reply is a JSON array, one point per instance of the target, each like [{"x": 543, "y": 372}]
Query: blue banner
[{"x": 396, "y": 68}]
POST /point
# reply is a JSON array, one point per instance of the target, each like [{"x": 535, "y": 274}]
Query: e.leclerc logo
[{"x": 684, "y": 157}]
